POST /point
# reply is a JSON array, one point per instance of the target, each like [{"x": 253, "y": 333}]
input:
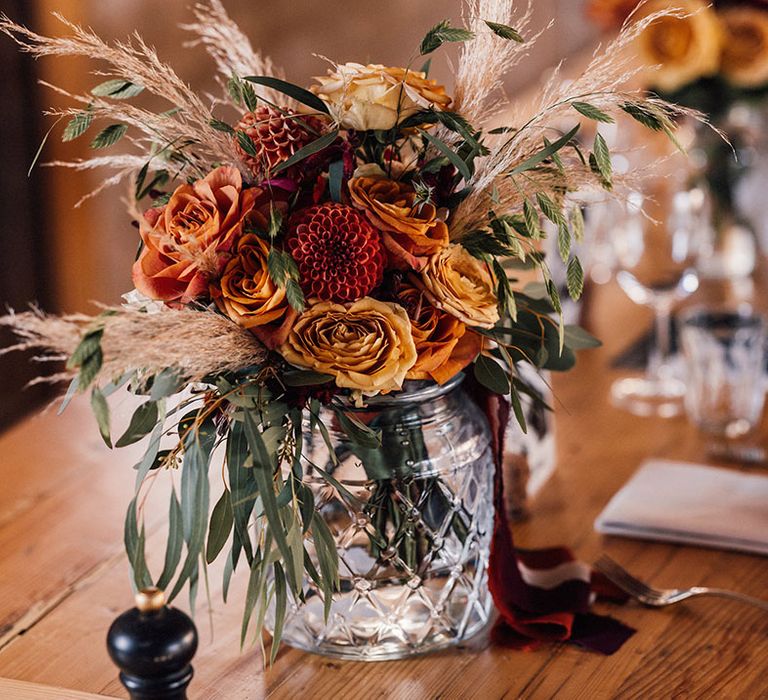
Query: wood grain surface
[{"x": 63, "y": 577}]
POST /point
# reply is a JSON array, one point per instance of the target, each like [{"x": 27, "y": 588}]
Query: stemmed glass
[{"x": 656, "y": 239}]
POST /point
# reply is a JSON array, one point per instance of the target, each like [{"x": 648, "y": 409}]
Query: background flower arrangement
[
  {"x": 711, "y": 57},
  {"x": 706, "y": 53},
  {"x": 307, "y": 248}
]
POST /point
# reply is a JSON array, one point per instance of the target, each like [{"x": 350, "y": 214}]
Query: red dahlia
[
  {"x": 276, "y": 136},
  {"x": 338, "y": 252}
]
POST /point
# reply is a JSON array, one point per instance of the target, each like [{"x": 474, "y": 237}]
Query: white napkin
[{"x": 691, "y": 504}]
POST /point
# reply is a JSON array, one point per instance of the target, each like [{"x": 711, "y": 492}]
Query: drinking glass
[
  {"x": 725, "y": 359},
  {"x": 656, "y": 238}
]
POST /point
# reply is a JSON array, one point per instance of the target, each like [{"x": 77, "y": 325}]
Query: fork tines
[{"x": 623, "y": 579}]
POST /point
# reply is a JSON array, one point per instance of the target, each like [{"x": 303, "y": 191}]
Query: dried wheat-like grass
[
  {"x": 486, "y": 59},
  {"x": 602, "y": 84},
  {"x": 187, "y": 127},
  {"x": 231, "y": 50},
  {"x": 195, "y": 343}
]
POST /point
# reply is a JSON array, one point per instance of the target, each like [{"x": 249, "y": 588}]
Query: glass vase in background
[
  {"x": 725, "y": 170},
  {"x": 411, "y": 521},
  {"x": 656, "y": 237}
]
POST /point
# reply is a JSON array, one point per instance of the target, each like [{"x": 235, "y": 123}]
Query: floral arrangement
[
  {"x": 703, "y": 51},
  {"x": 309, "y": 248},
  {"x": 711, "y": 57}
]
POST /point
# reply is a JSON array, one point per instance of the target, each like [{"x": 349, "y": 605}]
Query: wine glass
[{"x": 656, "y": 239}]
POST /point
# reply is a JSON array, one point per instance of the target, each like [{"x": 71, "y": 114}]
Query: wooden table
[{"x": 63, "y": 576}]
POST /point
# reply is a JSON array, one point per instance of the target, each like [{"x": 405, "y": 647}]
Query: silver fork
[{"x": 659, "y": 597}]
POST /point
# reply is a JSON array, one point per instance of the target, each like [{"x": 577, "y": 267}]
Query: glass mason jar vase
[{"x": 411, "y": 521}]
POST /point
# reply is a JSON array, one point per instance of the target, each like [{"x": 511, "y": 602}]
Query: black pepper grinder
[{"x": 153, "y": 645}]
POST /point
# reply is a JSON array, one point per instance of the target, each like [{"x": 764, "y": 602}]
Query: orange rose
[
  {"x": 250, "y": 297},
  {"x": 745, "y": 50},
  {"x": 444, "y": 345},
  {"x": 411, "y": 232},
  {"x": 186, "y": 243}
]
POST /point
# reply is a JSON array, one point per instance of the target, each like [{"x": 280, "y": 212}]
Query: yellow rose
[
  {"x": 683, "y": 48},
  {"x": 745, "y": 50},
  {"x": 366, "y": 345},
  {"x": 460, "y": 285},
  {"x": 367, "y": 97},
  {"x": 410, "y": 231}
]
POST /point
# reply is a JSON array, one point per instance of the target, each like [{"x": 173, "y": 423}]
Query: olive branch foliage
[{"x": 245, "y": 416}]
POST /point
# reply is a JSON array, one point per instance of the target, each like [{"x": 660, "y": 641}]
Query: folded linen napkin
[{"x": 691, "y": 504}]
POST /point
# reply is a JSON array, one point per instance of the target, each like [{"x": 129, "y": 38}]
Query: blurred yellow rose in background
[
  {"x": 745, "y": 48},
  {"x": 366, "y": 345},
  {"x": 683, "y": 48},
  {"x": 376, "y": 97}
]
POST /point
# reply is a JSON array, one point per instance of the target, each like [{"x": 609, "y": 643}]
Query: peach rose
[
  {"x": 250, "y": 297},
  {"x": 410, "y": 232},
  {"x": 683, "y": 48},
  {"x": 444, "y": 345},
  {"x": 366, "y": 345},
  {"x": 460, "y": 285},
  {"x": 376, "y": 97},
  {"x": 187, "y": 242},
  {"x": 745, "y": 50}
]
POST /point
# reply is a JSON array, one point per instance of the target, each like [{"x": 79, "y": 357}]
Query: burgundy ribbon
[{"x": 528, "y": 614}]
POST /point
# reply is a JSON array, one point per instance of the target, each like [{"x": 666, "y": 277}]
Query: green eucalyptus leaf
[
  {"x": 134, "y": 540},
  {"x": 491, "y": 375},
  {"x": 357, "y": 431},
  {"x": 222, "y": 521},
  {"x": 101, "y": 411},
  {"x": 142, "y": 422},
  {"x": 280, "y": 606},
  {"x": 174, "y": 545},
  {"x": 310, "y": 149},
  {"x": 335, "y": 179},
  {"x": 517, "y": 408},
  {"x": 263, "y": 470},
  {"x": 305, "y": 378},
  {"x": 294, "y": 91},
  {"x": 577, "y": 338},
  {"x": 242, "y": 484},
  {"x": 545, "y": 152},
  {"x": 449, "y": 153}
]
